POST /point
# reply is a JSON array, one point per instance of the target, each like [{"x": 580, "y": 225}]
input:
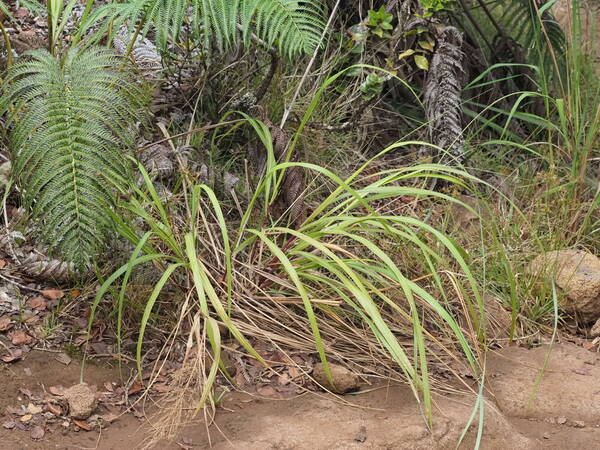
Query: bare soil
[{"x": 559, "y": 411}]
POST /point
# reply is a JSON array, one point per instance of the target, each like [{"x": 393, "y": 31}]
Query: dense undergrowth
[{"x": 352, "y": 184}]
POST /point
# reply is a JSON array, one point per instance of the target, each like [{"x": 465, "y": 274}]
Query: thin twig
[
  {"x": 195, "y": 130},
  {"x": 307, "y": 71},
  {"x": 19, "y": 284}
]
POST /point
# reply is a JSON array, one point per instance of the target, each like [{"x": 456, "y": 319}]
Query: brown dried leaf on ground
[
  {"x": 53, "y": 294},
  {"x": 37, "y": 303},
  {"x": 19, "y": 337},
  {"x": 135, "y": 388},
  {"x": 6, "y": 323},
  {"x": 14, "y": 355},
  {"x": 56, "y": 390},
  {"x": 83, "y": 425}
]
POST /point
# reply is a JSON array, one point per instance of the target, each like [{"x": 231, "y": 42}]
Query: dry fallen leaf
[
  {"x": 588, "y": 345},
  {"x": 37, "y": 433},
  {"x": 26, "y": 418},
  {"x": 14, "y": 355},
  {"x": 9, "y": 424},
  {"x": 266, "y": 391},
  {"x": 19, "y": 337},
  {"x": 37, "y": 303},
  {"x": 109, "y": 417},
  {"x": 82, "y": 425},
  {"x": 161, "y": 388},
  {"x": 56, "y": 390},
  {"x": 135, "y": 388},
  {"x": 75, "y": 293},
  {"x": 54, "y": 409},
  {"x": 283, "y": 378},
  {"x": 2, "y": 263},
  {"x": 53, "y": 294},
  {"x": 5, "y": 323}
]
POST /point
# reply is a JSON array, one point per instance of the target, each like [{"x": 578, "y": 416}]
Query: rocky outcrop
[{"x": 577, "y": 275}]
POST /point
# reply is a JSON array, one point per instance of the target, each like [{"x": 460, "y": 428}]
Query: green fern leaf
[
  {"x": 70, "y": 124},
  {"x": 293, "y": 27}
]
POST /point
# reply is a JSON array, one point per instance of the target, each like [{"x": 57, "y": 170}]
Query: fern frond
[
  {"x": 294, "y": 27},
  {"x": 291, "y": 26},
  {"x": 70, "y": 123}
]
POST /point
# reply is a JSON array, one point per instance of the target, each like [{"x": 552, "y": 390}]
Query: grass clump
[{"x": 328, "y": 286}]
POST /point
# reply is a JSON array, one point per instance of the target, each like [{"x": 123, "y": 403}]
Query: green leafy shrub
[{"x": 71, "y": 120}]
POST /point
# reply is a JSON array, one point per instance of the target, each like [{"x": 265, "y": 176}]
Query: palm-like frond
[
  {"x": 71, "y": 122},
  {"x": 520, "y": 21},
  {"x": 167, "y": 17},
  {"x": 293, "y": 27}
]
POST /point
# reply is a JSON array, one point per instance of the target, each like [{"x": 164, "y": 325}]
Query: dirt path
[{"x": 563, "y": 414}]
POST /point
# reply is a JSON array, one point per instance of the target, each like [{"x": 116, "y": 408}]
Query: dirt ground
[{"x": 559, "y": 411}]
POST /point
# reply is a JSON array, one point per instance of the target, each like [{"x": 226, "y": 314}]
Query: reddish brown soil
[{"x": 383, "y": 418}]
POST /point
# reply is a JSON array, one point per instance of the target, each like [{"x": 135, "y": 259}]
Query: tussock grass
[{"x": 328, "y": 286}]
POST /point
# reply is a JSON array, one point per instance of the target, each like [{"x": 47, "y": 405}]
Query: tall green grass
[
  {"x": 550, "y": 194},
  {"x": 333, "y": 254}
]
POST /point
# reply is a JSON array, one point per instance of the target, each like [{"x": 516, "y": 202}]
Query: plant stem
[
  {"x": 50, "y": 29},
  {"x": 138, "y": 30},
  {"x": 9, "y": 55},
  {"x": 86, "y": 13},
  {"x": 287, "y": 111}
]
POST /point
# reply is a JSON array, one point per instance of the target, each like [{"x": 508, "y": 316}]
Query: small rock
[
  {"x": 465, "y": 215},
  {"x": 37, "y": 433},
  {"x": 63, "y": 358},
  {"x": 82, "y": 401},
  {"x": 578, "y": 424},
  {"x": 498, "y": 319},
  {"x": 561, "y": 420},
  {"x": 34, "y": 409},
  {"x": 577, "y": 274},
  {"x": 595, "y": 331},
  {"x": 343, "y": 380},
  {"x": 362, "y": 434},
  {"x": 546, "y": 436}
]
